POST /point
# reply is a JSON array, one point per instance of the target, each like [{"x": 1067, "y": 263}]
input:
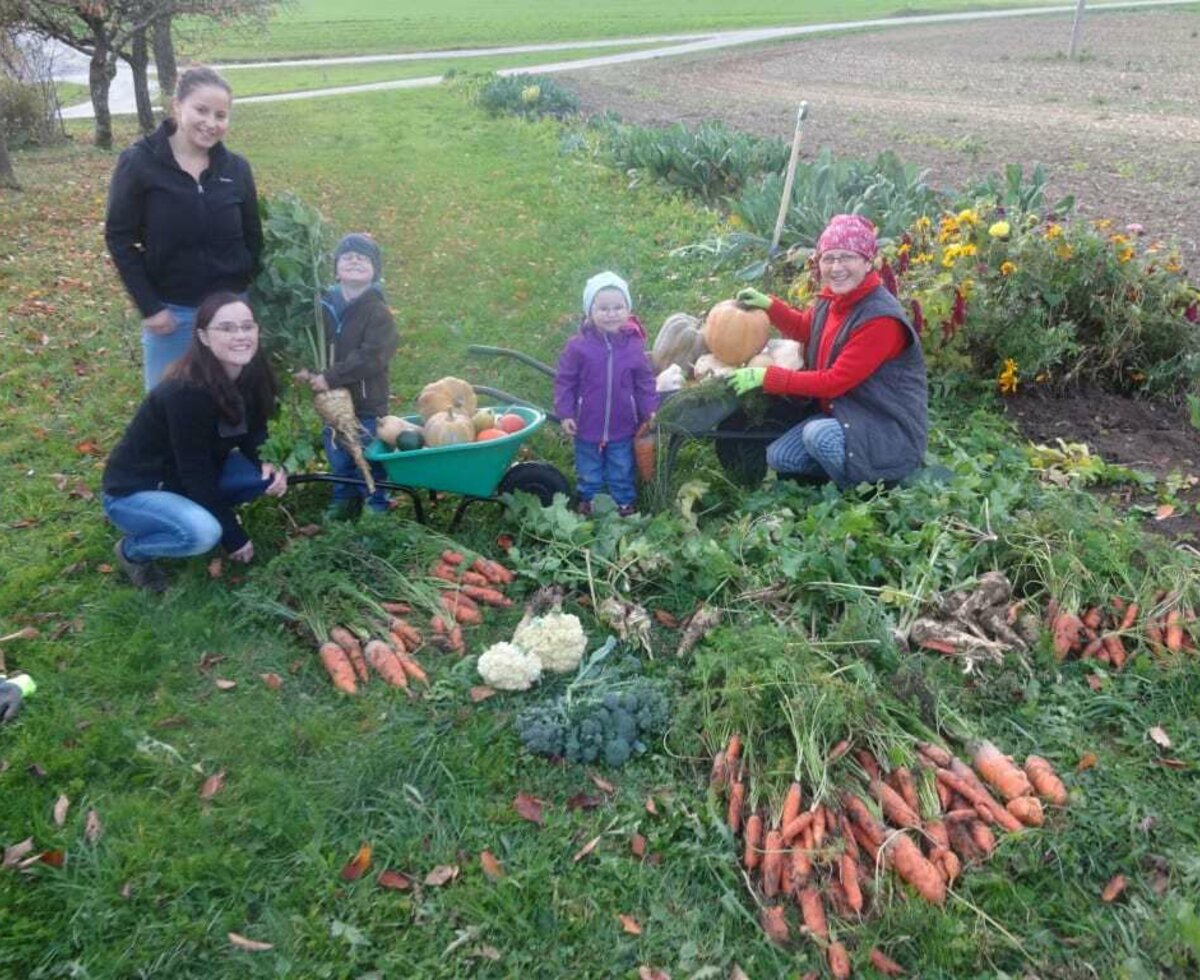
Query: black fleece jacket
[
  {"x": 178, "y": 442},
  {"x": 173, "y": 239}
]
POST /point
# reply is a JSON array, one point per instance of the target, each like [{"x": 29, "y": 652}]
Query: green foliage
[
  {"x": 29, "y": 113},
  {"x": 528, "y": 96},
  {"x": 1014, "y": 193}
]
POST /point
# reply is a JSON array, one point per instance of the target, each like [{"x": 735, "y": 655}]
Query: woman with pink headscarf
[{"x": 865, "y": 369}]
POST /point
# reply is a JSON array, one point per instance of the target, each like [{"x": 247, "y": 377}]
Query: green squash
[{"x": 409, "y": 440}]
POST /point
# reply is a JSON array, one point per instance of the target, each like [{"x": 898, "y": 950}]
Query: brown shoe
[{"x": 142, "y": 574}]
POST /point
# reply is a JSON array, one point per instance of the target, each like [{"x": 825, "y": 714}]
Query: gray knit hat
[
  {"x": 363, "y": 244},
  {"x": 604, "y": 280}
]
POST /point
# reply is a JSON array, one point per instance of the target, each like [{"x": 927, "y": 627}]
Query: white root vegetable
[{"x": 336, "y": 407}]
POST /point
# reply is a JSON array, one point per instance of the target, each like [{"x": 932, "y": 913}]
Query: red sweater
[{"x": 876, "y": 341}]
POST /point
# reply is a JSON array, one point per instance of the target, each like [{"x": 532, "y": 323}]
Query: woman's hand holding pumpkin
[
  {"x": 747, "y": 379},
  {"x": 753, "y": 299}
]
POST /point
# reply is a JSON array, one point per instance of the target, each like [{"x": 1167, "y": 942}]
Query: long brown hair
[{"x": 199, "y": 366}]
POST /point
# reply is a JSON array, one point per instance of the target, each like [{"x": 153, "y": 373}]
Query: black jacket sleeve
[
  {"x": 379, "y": 343},
  {"x": 251, "y": 221},
  {"x": 191, "y": 417},
  {"x": 123, "y": 226}
]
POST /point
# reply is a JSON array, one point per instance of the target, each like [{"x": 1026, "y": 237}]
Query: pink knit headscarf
[{"x": 849, "y": 232}]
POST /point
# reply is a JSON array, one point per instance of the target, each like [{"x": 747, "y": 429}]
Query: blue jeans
[
  {"x": 161, "y": 350},
  {"x": 611, "y": 464},
  {"x": 162, "y": 524},
  {"x": 815, "y": 447},
  {"x": 341, "y": 463}
]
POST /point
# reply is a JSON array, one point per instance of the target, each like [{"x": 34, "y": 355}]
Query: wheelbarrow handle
[{"x": 484, "y": 350}]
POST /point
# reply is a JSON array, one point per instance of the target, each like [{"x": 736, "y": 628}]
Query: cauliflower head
[
  {"x": 556, "y": 639},
  {"x": 506, "y": 667}
]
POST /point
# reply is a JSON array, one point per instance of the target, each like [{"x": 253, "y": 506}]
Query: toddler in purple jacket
[{"x": 604, "y": 392}]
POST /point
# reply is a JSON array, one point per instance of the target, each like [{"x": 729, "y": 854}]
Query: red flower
[
  {"x": 1192, "y": 313},
  {"x": 918, "y": 317},
  {"x": 888, "y": 277}
]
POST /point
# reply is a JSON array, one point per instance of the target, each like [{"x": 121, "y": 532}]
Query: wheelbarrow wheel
[
  {"x": 543, "y": 480},
  {"x": 741, "y": 444}
]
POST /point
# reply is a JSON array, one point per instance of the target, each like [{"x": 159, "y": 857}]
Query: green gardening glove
[
  {"x": 747, "y": 379},
  {"x": 754, "y": 299}
]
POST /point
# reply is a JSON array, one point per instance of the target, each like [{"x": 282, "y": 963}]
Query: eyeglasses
[
  {"x": 246, "y": 326},
  {"x": 840, "y": 258}
]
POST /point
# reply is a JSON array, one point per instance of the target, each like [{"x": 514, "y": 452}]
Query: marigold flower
[
  {"x": 1126, "y": 254},
  {"x": 923, "y": 223},
  {"x": 1007, "y": 268},
  {"x": 1064, "y": 252},
  {"x": 1008, "y": 380},
  {"x": 1001, "y": 229},
  {"x": 1102, "y": 223},
  {"x": 1053, "y": 232},
  {"x": 967, "y": 217}
]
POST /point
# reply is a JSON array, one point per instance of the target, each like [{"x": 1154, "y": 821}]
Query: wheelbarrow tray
[{"x": 471, "y": 468}]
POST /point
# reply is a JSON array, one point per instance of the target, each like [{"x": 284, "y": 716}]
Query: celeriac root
[{"x": 336, "y": 408}]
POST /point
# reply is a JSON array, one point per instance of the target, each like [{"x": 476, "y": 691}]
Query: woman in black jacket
[
  {"x": 191, "y": 452},
  {"x": 182, "y": 218}
]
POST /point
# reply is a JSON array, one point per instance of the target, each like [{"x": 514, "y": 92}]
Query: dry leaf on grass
[
  {"x": 441, "y": 875},
  {"x": 395, "y": 881},
  {"x": 652, "y": 973},
  {"x": 629, "y": 924},
  {"x": 1086, "y": 761},
  {"x": 1159, "y": 737},
  {"x": 529, "y": 807},
  {"x": 249, "y": 945},
  {"x": 1113, "y": 889},
  {"x": 491, "y": 865},
  {"x": 357, "y": 866},
  {"x": 582, "y": 801},
  {"x": 56, "y": 859},
  {"x": 481, "y": 693},
  {"x": 602, "y": 784},
  {"x": 215, "y": 567},
  {"x": 224, "y": 684},
  {"x": 637, "y": 844},
  {"x": 651, "y": 806},
  {"x": 14, "y": 852},
  {"x": 213, "y": 785},
  {"x": 272, "y": 681},
  {"x": 586, "y": 849},
  {"x": 1163, "y": 511},
  {"x": 61, "y": 806},
  {"x": 92, "y": 827},
  {"x": 486, "y": 952},
  {"x": 737, "y": 973}
]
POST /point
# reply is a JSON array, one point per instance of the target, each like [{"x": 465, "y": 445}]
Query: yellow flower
[
  {"x": 923, "y": 223},
  {"x": 1119, "y": 239},
  {"x": 1125, "y": 254},
  {"x": 969, "y": 250},
  {"x": 950, "y": 255},
  {"x": 1173, "y": 264},
  {"x": 1064, "y": 252},
  {"x": 1007, "y": 380},
  {"x": 967, "y": 217},
  {"x": 735, "y": 221},
  {"x": 1042, "y": 377},
  {"x": 1053, "y": 232},
  {"x": 1007, "y": 268},
  {"x": 1102, "y": 223},
  {"x": 531, "y": 93},
  {"x": 903, "y": 249},
  {"x": 922, "y": 258},
  {"x": 1001, "y": 229},
  {"x": 966, "y": 286}
]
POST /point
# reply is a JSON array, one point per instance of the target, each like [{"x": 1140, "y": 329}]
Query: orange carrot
[
  {"x": 452, "y": 557},
  {"x": 839, "y": 961},
  {"x": 935, "y": 830},
  {"x": 796, "y": 827},
  {"x": 1174, "y": 631},
  {"x": 383, "y": 659},
  {"x": 396, "y": 608},
  {"x": 1115, "y": 648},
  {"x": 980, "y": 797},
  {"x": 496, "y": 573},
  {"x": 337, "y": 664},
  {"x": 787, "y": 877},
  {"x": 737, "y": 795},
  {"x": 444, "y": 572},
  {"x": 838, "y": 750},
  {"x": 1093, "y": 650},
  {"x": 1027, "y": 809},
  {"x": 885, "y": 964},
  {"x": 869, "y": 763},
  {"x": 862, "y": 816},
  {"x": 817, "y": 827},
  {"x": 950, "y": 864},
  {"x": 412, "y": 668},
  {"x": 1046, "y": 784},
  {"x": 474, "y": 578},
  {"x": 349, "y": 642},
  {"x": 902, "y": 782},
  {"x": 772, "y": 863},
  {"x": 733, "y": 752},
  {"x": 791, "y": 805},
  {"x": 962, "y": 815},
  {"x": 1092, "y": 617},
  {"x": 962, "y": 843},
  {"x": 998, "y": 772},
  {"x": 801, "y": 868},
  {"x": 945, "y": 797},
  {"x": 1129, "y": 618},
  {"x": 773, "y": 919},
  {"x": 812, "y": 910},
  {"x": 982, "y": 835},
  {"x": 848, "y": 835},
  {"x": 458, "y": 609},
  {"x": 848, "y": 875},
  {"x": 752, "y": 856},
  {"x": 409, "y": 633},
  {"x": 1066, "y": 628},
  {"x": 935, "y": 754},
  {"x": 1154, "y": 636},
  {"x": 720, "y": 772},
  {"x": 493, "y": 597},
  {"x": 911, "y": 865},
  {"x": 894, "y": 808}
]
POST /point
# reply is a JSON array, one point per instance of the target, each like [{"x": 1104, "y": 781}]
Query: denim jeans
[
  {"x": 611, "y": 465},
  {"x": 162, "y": 524},
  {"x": 161, "y": 350},
  {"x": 341, "y": 463},
  {"x": 815, "y": 447}
]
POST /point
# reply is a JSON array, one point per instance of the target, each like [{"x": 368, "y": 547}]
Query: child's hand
[
  {"x": 318, "y": 383},
  {"x": 645, "y": 426},
  {"x": 302, "y": 375},
  {"x": 569, "y": 427}
]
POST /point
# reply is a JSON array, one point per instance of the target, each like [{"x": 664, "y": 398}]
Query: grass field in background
[{"x": 316, "y": 27}]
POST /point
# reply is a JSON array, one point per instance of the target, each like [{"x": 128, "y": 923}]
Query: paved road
[{"x": 74, "y": 66}]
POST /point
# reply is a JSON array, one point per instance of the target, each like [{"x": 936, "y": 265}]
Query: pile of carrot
[
  {"x": 823, "y": 855},
  {"x": 1100, "y": 631},
  {"x": 469, "y": 588},
  {"x": 347, "y": 660}
]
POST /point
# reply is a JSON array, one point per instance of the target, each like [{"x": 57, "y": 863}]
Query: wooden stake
[{"x": 786, "y": 201}]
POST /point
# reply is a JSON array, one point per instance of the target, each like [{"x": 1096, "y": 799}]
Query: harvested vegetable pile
[
  {"x": 1099, "y": 632},
  {"x": 983, "y": 624}
]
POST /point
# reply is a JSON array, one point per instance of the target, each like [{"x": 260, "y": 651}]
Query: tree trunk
[
  {"x": 100, "y": 76},
  {"x": 7, "y": 177},
  {"x": 1076, "y": 30},
  {"x": 164, "y": 61},
  {"x": 139, "y": 62}
]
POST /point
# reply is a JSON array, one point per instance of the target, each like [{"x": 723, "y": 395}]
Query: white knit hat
[{"x": 604, "y": 280}]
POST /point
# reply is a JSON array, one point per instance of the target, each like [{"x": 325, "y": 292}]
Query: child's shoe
[
  {"x": 627, "y": 510},
  {"x": 344, "y": 510},
  {"x": 142, "y": 574}
]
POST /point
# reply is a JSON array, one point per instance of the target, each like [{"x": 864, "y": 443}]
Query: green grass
[
  {"x": 267, "y": 81},
  {"x": 315, "y": 27},
  {"x": 70, "y": 93},
  {"x": 488, "y": 231}
]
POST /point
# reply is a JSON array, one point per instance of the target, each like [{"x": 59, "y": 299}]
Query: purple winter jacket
[{"x": 605, "y": 382}]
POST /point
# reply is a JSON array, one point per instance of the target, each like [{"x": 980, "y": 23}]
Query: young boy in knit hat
[
  {"x": 865, "y": 369},
  {"x": 604, "y": 392},
  {"x": 360, "y": 329}
]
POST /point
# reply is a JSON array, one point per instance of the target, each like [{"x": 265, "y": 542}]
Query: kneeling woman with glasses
[
  {"x": 864, "y": 368},
  {"x": 190, "y": 453}
]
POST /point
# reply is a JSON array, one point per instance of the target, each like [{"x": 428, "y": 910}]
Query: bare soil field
[{"x": 1118, "y": 128}]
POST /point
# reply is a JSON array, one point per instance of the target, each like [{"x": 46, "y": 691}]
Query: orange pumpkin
[
  {"x": 486, "y": 434},
  {"x": 735, "y": 335},
  {"x": 510, "y": 422},
  {"x": 446, "y": 395}
]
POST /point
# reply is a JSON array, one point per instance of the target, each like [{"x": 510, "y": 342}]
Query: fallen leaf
[
  {"x": 1147, "y": 823},
  {"x": 652, "y": 973},
  {"x": 442, "y": 874},
  {"x": 15, "y": 852},
  {"x": 308, "y": 530},
  {"x": 36, "y": 771},
  {"x": 504, "y": 541},
  {"x": 92, "y": 827},
  {"x": 213, "y": 785},
  {"x": 215, "y": 567},
  {"x": 666, "y": 619},
  {"x": 104, "y": 568},
  {"x": 1086, "y": 761},
  {"x": 357, "y": 866},
  {"x": 487, "y": 953},
  {"x": 1172, "y": 763},
  {"x": 629, "y": 924},
  {"x": 1163, "y": 511},
  {"x": 637, "y": 844},
  {"x": 1159, "y": 737},
  {"x": 272, "y": 680},
  {"x": 172, "y": 721},
  {"x": 395, "y": 881},
  {"x": 529, "y": 807},
  {"x": 225, "y": 684},
  {"x": 651, "y": 806},
  {"x": 586, "y": 849},
  {"x": 737, "y": 973},
  {"x": 296, "y": 666},
  {"x": 1114, "y": 888},
  {"x": 56, "y": 859},
  {"x": 208, "y": 660},
  {"x": 491, "y": 865},
  {"x": 88, "y": 447},
  {"x": 582, "y": 801},
  {"x": 127, "y": 890},
  {"x": 249, "y": 945},
  {"x": 61, "y": 806},
  {"x": 602, "y": 784},
  {"x": 1094, "y": 682},
  {"x": 481, "y": 693}
]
